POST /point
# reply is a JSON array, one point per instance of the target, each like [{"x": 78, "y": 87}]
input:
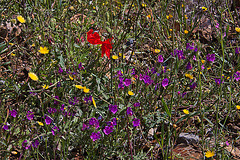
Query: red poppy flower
[
  {"x": 106, "y": 46},
  {"x": 93, "y": 38}
]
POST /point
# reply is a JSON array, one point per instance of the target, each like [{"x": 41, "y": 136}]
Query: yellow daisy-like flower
[
  {"x": 45, "y": 86},
  {"x": 86, "y": 90},
  {"x": 94, "y": 103},
  {"x": 13, "y": 54},
  {"x": 208, "y": 68},
  {"x": 144, "y": 5},
  {"x": 79, "y": 86},
  {"x": 170, "y": 16},
  {"x": 238, "y": 107},
  {"x": 130, "y": 93},
  {"x": 237, "y": 29},
  {"x": 204, "y": 9},
  {"x": 71, "y": 77},
  {"x": 33, "y": 76},
  {"x": 203, "y": 61},
  {"x": 149, "y": 16},
  {"x": 43, "y": 50},
  {"x": 40, "y": 123},
  {"x": 114, "y": 57},
  {"x": 21, "y": 19},
  {"x": 185, "y": 111},
  {"x": 186, "y": 31},
  {"x": 170, "y": 30},
  {"x": 157, "y": 50},
  {"x": 209, "y": 154},
  {"x": 189, "y": 76}
]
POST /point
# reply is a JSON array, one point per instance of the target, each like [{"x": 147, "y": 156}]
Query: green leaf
[{"x": 166, "y": 108}]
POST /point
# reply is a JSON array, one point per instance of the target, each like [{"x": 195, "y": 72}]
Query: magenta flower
[
  {"x": 25, "y": 145},
  {"x": 52, "y": 110},
  {"x": 55, "y": 101},
  {"x": 129, "y": 111},
  {"x": 127, "y": 82},
  {"x": 30, "y": 115},
  {"x": 136, "y": 122},
  {"x": 48, "y": 120},
  {"x": 13, "y": 113},
  {"x": 84, "y": 127},
  {"x": 136, "y": 104},
  {"x": 114, "y": 121},
  {"x": 237, "y": 76},
  {"x": 54, "y": 129},
  {"x": 160, "y": 59},
  {"x": 94, "y": 122},
  {"x": 60, "y": 70},
  {"x": 237, "y": 50},
  {"x": 210, "y": 57},
  {"x": 218, "y": 81},
  {"x": 113, "y": 108},
  {"x": 165, "y": 82},
  {"x": 202, "y": 67},
  {"x": 95, "y": 136},
  {"x": 108, "y": 129},
  {"x": 194, "y": 85}
]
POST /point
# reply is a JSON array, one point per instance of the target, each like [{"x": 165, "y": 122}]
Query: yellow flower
[
  {"x": 157, "y": 50},
  {"x": 114, "y": 57},
  {"x": 94, "y": 7},
  {"x": 45, "y": 86},
  {"x": 11, "y": 44},
  {"x": 14, "y": 152},
  {"x": 21, "y": 19},
  {"x": 40, "y": 123},
  {"x": 71, "y": 77},
  {"x": 185, "y": 16},
  {"x": 33, "y": 76},
  {"x": 203, "y": 61},
  {"x": 13, "y": 54},
  {"x": 149, "y": 16},
  {"x": 79, "y": 86},
  {"x": 186, "y": 31},
  {"x": 204, "y": 9},
  {"x": 94, "y": 103},
  {"x": 237, "y": 29},
  {"x": 169, "y": 37},
  {"x": 209, "y": 154},
  {"x": 182, "y": 5},
  {"x": 43, "y": 50},
  {"x": 170, "y": 30},
  {"x": 185, "y": 111},
  {"x": 167, "y": 17},
  {"x": 238, "y": 107},
  {"x": 144, "y": 5},
  {"x": 33, "y": 45},
  {"x": 208, "y": 68},
  {"x": 130, "y": 93},
  {"x": 170, "y": 16},
  {"x": 85, "y": 90},
  {"x": 189, "y": 76},
  {"x": 71, "y": 8}
]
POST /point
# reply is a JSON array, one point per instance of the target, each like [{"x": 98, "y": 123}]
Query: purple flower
[
  {"x": 55, "y": 101},
  {"x": 137, "y": 104},
  {"x": 62, "y": 107},
  {"x": 194, "y": 85},
  {"x": 73, "y": 102},
  {"x": 129, "y": 111},
  {"x": 153, "y": 70},
  {"x": 202, "y": 67},
  {"x": 80, "y": 66},
  {"x": 114, "y": 121},
  {"x": 210, "y": 57},
  {"x": 196, "y": 49},
  {"x": 13, "y": 113},
  {"x": 54, "y": 129},
  {"x": 227, "y": 143},
  {"x": 108, "y": 129},
  {"x": 127, "y": 82},
  {"x": 237, "y": 76},
  {"x": 190, "y": 47},
  {"x": 136, "y": 122},
  {"x": 237, "y": 50},
  {"x": 59, "y": 84},
  {"x": 113, "y": 108},
  {"x": 165, "y": 82},
  {"x": 160, "y": 59},
  {"x": 95, "y": 136},
  {"x": 60, "y": 70},
  {"x": 5, "y": 127},
  {"x": 133, "y": 72},
  {"x": 35, "y": 144},
  {"x": 147, "y": 79},
  {"x": 179, "y": 53},
  {"x": 184, "y": 94},
  {"x": 120, "y": 85},
  {"x": 119, "y": 73},
  {"x": 30, "y": 115},
  {"x": 48, "y": 120},
  {"x": 84, "y": 127},
  {"x": 25, "y": 145},
  {"x": 94, "y": 122},
  {"x": 189, "y": 66},
  {"x": 218, "y": 81},
  {"x": 52, "y": 110}
]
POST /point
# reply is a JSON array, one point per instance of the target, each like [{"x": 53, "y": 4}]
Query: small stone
[{"x": 187, "y": 138}]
